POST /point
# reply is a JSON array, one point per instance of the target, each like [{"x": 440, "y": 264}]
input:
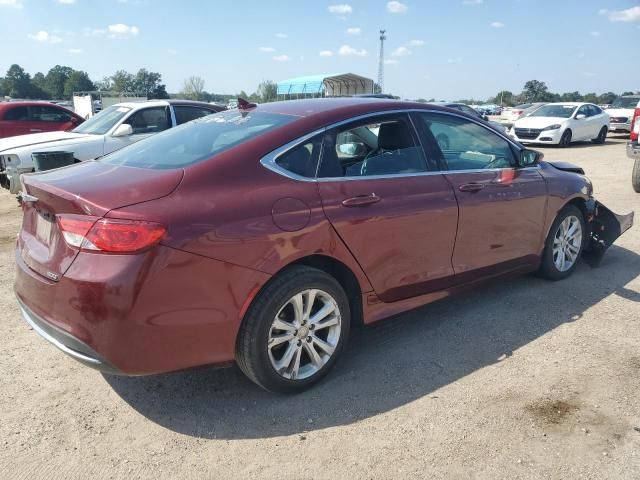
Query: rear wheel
[
  {"x": 602, "y": 137},
  {"x": 565, "y": 140},
  {"x": 294, "y": 331},
  {"x": 564, "y": 244},
  {"x": 635, "y": 176}
]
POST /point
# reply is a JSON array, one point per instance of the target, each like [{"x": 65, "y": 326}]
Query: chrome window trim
[{"x": 269, "y": 160}]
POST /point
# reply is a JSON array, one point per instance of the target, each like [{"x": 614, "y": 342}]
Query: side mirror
[
  {"x": 123, "y": 130},
  {"x": 352, "y": 149},
  {"x": 529, "y": 158},
  {"x": 580, "y": 116}
]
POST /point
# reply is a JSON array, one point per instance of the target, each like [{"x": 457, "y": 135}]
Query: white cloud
[
  {"x": 497, "y": 24},
  {"x": 66, "y": 2},
  {"x": 454, "y": 60},
  {"x": 326, "y": 53},
  {"x": 348, "y": 51},
  {"x": 390, "y": 61},
  {"x": 472, "y": 2},
  {"x": 416, "y": 43},
  {"x": 45, "y": 37},
  {"x": 267, "y": 49},
  {"x": 354, "y": 31},
  {"x": 629, "y": 15},
  {"x": 93, "y": 32},
  {"x": 75, "y": 51},
  {"x": 595, "y": 34},
  {"x": 11, "y": 3},
  {"x": 282, "y": 35},
  {"x": 396, "y": 7},
  {"x": 120, "y": 30},
  {"x": 341, "y": 9},
  {"x": 401, "y": 52},
  {"x": 281, "y": 58},
  {"x": 603, "y": 11}
]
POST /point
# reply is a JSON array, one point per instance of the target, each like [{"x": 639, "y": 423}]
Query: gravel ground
[{"x": 520, "y": 379}]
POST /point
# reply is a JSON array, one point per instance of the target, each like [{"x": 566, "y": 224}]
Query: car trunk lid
[{"x": 89, "y": 189}]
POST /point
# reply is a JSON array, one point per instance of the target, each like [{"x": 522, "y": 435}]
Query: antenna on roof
[
  {"x": 383, "y": 37},
  {"x": 245, "y": 104}
]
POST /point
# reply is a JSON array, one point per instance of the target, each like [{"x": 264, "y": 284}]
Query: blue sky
[{"x": 444, "y": 49}]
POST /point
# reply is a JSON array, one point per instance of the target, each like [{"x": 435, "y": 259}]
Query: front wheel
[
  {"x": 294, "y": 331},
  {"x": 602, "y": 137},
  {"x": 565, "y": 140},
  {"x": 564, "y": 244}
]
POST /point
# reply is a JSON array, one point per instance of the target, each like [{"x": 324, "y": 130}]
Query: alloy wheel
[
  {"x": 567, "y": 243},
  {"x": 304, "y": 334}
]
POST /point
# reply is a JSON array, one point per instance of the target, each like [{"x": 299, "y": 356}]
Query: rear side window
[
  {"x": 49, "y": 114},
  {"x": 303, "y": 158},
  {"x": 593, "y": 110},
  {"x": 17, "y": 114},
  {"x": 186, "y": 114},
  {"x": 198, "y": 140}
]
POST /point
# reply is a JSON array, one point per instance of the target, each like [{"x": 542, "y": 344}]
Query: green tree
[
  {"x": 267, "y": 91},
  {"x": 193, "y": 88},
  {"x": 123, "y": 82},
  {"x": 104, "y": 85},
  {"x": 17, "y": 82},
  {"x": 607, "y": 98},
  {"x": 78, "y": 81},
  {"x": 536, "y": 91},
  {"x": 590, "y": 97},
  {"x": 628, "y": 93},
  {"x": 150, "y": 84},
  {"x": 55, "y": 79},
  {"x": 571, "y": 97},
  {"x": 503, "y": 97}
]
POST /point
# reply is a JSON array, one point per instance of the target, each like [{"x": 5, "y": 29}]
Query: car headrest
[{"x": 394, "y": 136}]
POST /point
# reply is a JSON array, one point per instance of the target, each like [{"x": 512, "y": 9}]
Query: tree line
[{"x": 60, "y": 82}]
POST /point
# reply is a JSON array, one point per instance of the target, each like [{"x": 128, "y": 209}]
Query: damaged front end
[{"x": 605, "y": 227}]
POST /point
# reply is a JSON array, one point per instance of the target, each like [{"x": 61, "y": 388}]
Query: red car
[
  {"x": 23, "y": 118},
  {"x": 262, "y": 235}
]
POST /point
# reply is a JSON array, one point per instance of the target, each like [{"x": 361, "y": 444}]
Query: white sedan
[
  {"x": 111, "y": 129},
  {"x": 563, "y": 123}
]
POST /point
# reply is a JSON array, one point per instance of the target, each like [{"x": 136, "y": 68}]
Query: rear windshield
[
  {"x": 625, "y": 102},
  {"x": 197, "y": 140},
  {"x": 560, "y": 111}
]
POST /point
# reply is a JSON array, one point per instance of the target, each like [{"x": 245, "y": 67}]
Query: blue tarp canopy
[{"x": 330, "y": 85}]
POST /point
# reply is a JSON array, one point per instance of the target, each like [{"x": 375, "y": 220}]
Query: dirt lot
[{"x": 522, "y": 379}]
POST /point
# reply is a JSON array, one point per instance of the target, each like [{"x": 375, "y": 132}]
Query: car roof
[{"x": 164, "y": 103}]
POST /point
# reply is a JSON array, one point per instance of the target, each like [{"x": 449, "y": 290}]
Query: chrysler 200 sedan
[{"x": 262, "y": 235}]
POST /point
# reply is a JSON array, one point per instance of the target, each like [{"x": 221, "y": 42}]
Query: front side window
[
  {"x": 465, "y": 145},
  {"x": 185, "y": 114},
  {"x": 198, "y": 140},
  {"x": 102, "y": 122},
  {"x": 382, "y": 146},
  {"x": 17, "y": 114},
  {"x": 149, "y": 120},
  {"x": 49, "y": 114},
  {"x": 583, "y": 110}
]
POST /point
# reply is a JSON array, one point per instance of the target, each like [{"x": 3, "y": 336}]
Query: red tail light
[
  {"x": 109, "y": 235},
  {"x": 635, "y": 125}
]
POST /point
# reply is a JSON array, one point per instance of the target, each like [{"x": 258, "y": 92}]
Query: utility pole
[{"x": 383, "y": 37}]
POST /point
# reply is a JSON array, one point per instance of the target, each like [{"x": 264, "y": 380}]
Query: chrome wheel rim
[
  {"x": 567, "y": 243},
  {"x": 304, "y": 334}
]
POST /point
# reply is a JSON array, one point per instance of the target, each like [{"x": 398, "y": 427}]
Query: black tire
[
  {"x": 252, "y": 352},
  {"x": 548, "y": 268},
  {"x": 602, "y": 137},
  {"x": 635, "y": 176},
  {"x": 565, "y": 140}
]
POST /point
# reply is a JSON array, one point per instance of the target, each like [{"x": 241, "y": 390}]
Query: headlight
[{"x": 552, "y": 127}]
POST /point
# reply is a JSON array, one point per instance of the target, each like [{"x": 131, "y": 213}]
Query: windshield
[
  {"x": 625, "y": 102},
  {"x": 103, "y": 121},
  {"x": 560, "y": 111},
  {"x": 197, "y": 140}
]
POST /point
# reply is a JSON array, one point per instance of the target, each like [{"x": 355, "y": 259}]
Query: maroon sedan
[
  {"x": 23, "y": 118},
  {"x": 262, "y": 235}
]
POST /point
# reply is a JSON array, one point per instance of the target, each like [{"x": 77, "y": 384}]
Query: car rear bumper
[
  {"x": 633, "y": 150},
  {"x": 156, "y": 312}
]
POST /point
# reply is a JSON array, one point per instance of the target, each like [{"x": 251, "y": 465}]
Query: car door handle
[
  {"x": 471, "y": 187},
  {"x": 35, "y": 130},
  {"x": 361, "y": 200}
]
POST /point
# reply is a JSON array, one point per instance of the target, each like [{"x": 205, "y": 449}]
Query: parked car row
[
  {"x": 23, "y": 118},
  {"x": 261, "y": 235},
  {"x": 112, "y": 129}
]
